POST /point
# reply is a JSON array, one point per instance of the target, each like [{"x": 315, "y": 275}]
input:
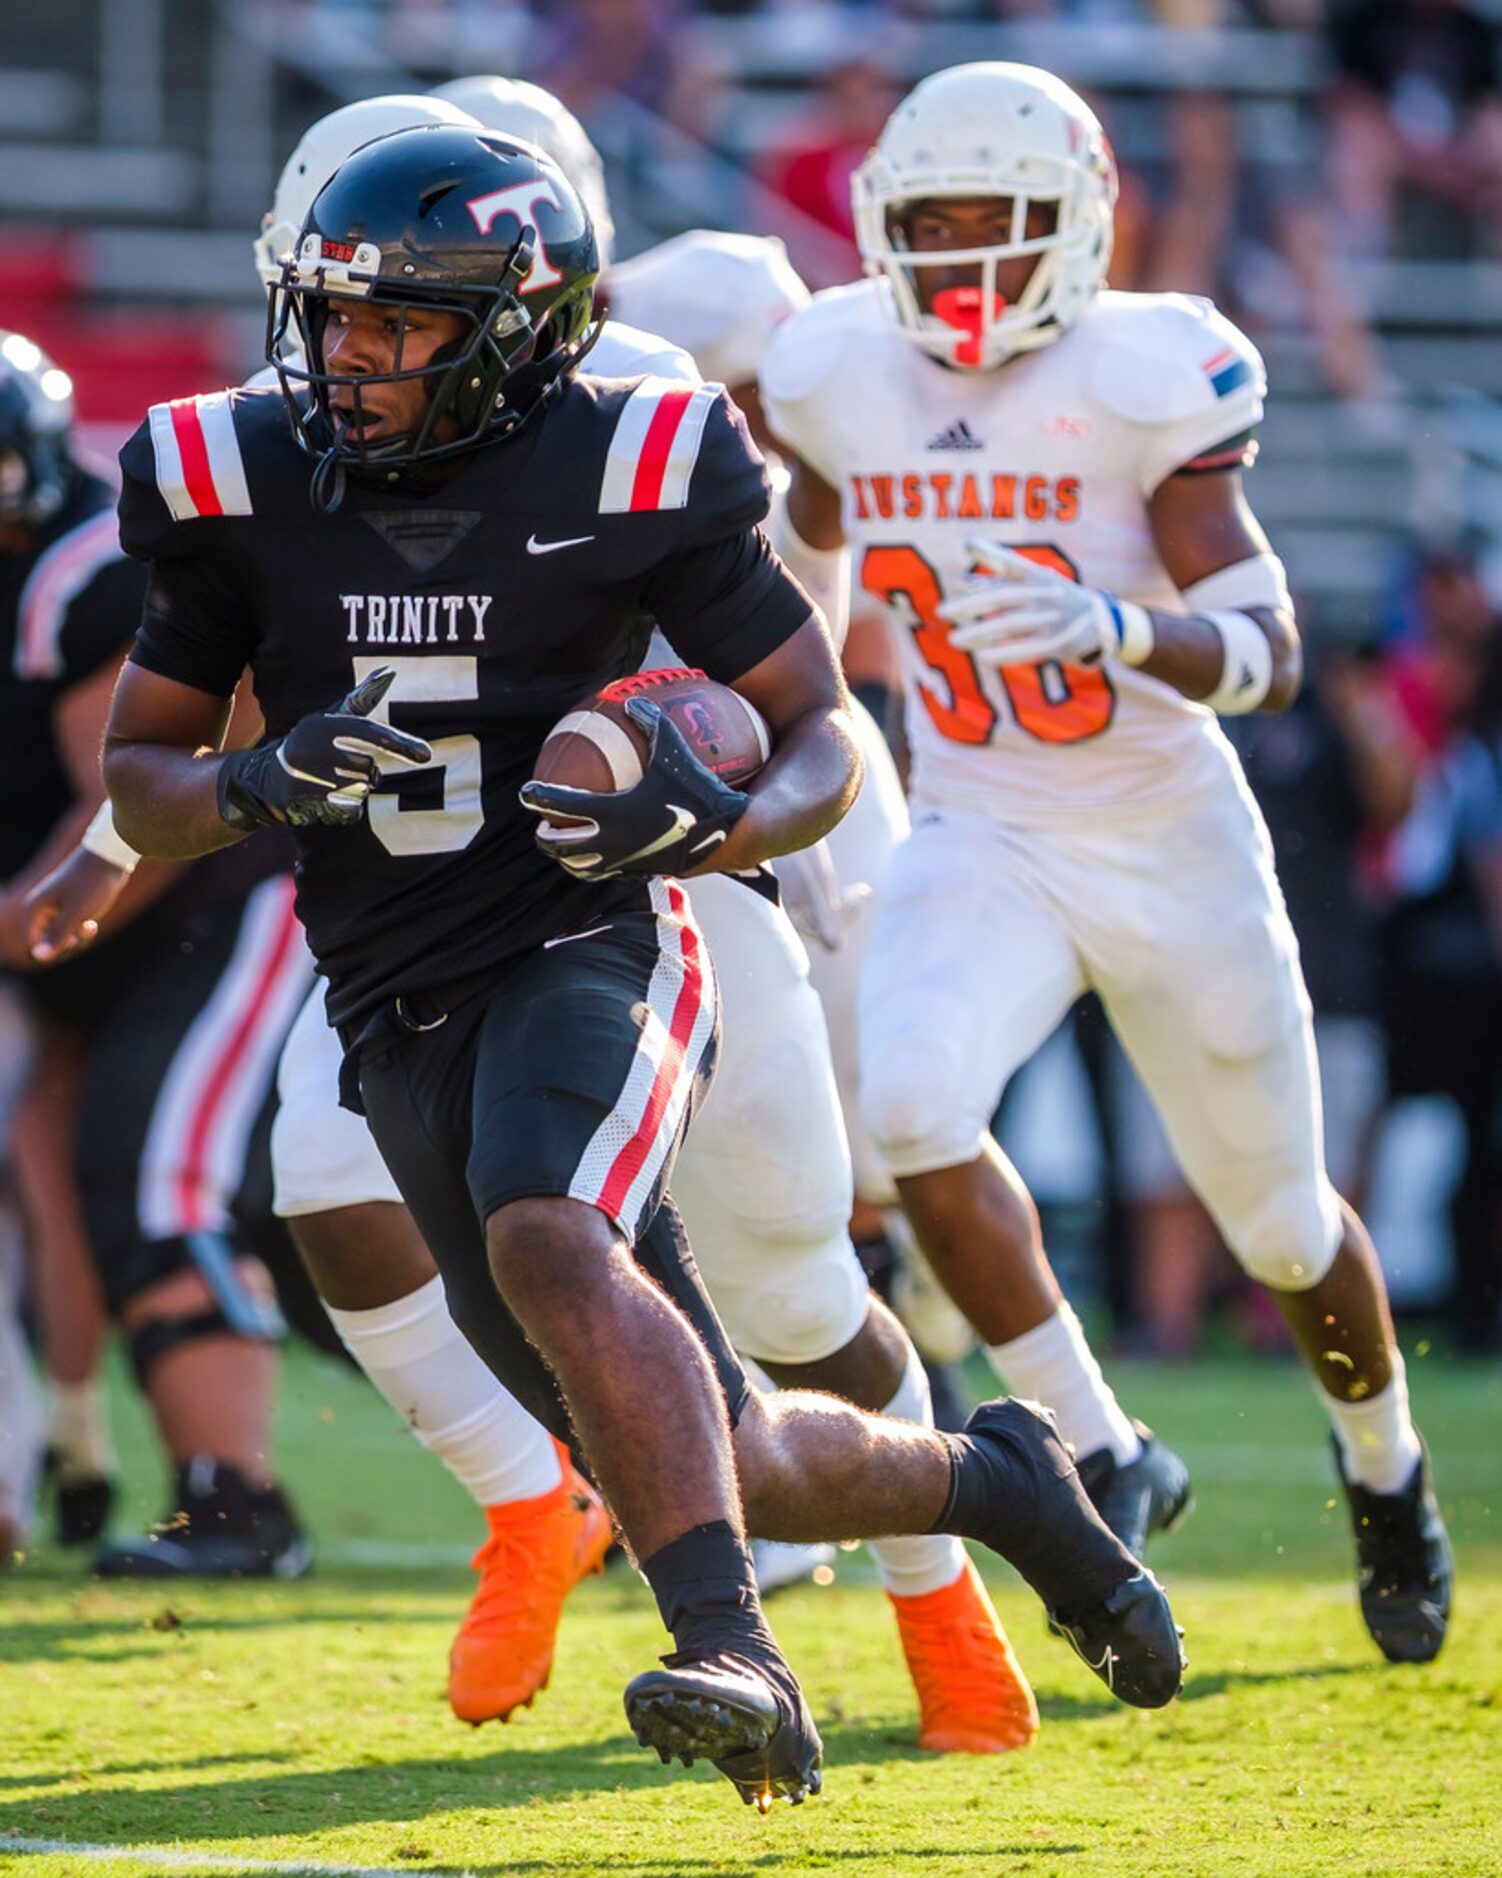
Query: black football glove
[
  {"x": 322, "y": 770},
  {"x": 674, "y": 818}
]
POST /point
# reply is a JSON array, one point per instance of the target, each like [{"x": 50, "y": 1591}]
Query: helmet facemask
[
  {"x": 438, "y": 220},
  {"x": 991, "y": 133}
]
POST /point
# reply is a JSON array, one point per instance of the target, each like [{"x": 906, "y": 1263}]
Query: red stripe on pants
[
  {"x": 628, "y": 1163},
  {"x": 192, "y": 1175}
]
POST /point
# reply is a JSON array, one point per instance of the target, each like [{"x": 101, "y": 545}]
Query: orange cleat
[
  {"x": 972, "y": 1695},
  {"x": 538, "y": 1550}
]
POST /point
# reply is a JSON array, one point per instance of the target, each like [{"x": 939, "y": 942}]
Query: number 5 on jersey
[
  {"x": 1054, "y": 703},
  {"x": 402, "y": 830}
]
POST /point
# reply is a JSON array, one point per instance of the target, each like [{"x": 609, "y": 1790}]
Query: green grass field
[{"x": 303, "y": 1727}]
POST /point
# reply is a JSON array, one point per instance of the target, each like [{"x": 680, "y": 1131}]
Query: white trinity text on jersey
[{"x": 421, "y": 619}]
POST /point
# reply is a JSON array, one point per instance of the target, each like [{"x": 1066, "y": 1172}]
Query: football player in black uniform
[
  {"x": 525, "y": 1003},
  {"x": 153, "y": 1054}
]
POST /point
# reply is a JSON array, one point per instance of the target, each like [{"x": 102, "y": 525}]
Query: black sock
[
  {"x": 953, "y": 1518},
  {"x": 1029, "y": 1506},
  {"x": 705, "y": 1586}
]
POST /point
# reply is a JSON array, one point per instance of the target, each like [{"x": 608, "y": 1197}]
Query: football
[{"x": 596, "y": 746}]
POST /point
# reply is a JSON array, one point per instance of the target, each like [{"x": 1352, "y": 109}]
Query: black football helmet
[
  {"x": 448, "y": 219},
  {"x": 36, "y": 424}
]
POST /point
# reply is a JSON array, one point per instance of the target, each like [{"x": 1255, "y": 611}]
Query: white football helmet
[
  {"x": 992, "y": 129},
  {"x": 324, "y": 147},
  {"x": 516, "y": 108}
]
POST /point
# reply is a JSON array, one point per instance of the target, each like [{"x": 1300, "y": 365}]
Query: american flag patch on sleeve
[{"x": 1226, "y": 371}]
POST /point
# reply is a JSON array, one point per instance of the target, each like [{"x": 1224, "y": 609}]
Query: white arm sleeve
[{"x": 823, "y": 573}]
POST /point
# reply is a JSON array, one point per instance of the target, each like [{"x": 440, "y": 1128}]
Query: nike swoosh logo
[
  {"x": 534, "y": 546},
  {"x": 569, "y": 937},
  {"x": 683, "y": 823}
]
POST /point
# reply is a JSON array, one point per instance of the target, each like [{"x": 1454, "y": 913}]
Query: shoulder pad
[
  {"x": 811, "y": 347},
  {"x": 189, "y": 462},
  {"x": 196, "y": 456},
  {"x": 674, "y": 441},
  {"x": 64, "y": 571},
  {"x": 623, "y": 351},
  {"x": 720, "y": 296},
  {"x": 1162, "y": 358}
]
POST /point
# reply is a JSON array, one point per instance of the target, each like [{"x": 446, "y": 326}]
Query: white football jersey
[
  {"x": 1055, "y": 453},
  {"x": 718, "y": 296}
]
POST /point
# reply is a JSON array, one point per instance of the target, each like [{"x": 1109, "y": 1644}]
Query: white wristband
[
  {"x": 100, "y": 838},
  {"x": 1134, "y": 630},
  {"x": 1246, "y": 674}
]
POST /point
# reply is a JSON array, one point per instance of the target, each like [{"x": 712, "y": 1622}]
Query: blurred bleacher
[{"x": 149, "y": 133}]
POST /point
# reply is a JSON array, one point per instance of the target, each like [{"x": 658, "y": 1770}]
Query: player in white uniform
[
  {"x": 765, "y": 1191},
  {"x": 1041, "y": 481}
]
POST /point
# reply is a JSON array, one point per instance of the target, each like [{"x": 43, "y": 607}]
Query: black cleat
[
  {"x": 218, "y": 1527},
  {"x": 1141, "y": 1497},
  {"x": 1097, "y": 1595},
  {"x": 82, "y": 1503},
  {"x": 1404, "y": 1568},
  {"x": 1130, "y": 1640},
  {"x": 725, "y": 1708}
]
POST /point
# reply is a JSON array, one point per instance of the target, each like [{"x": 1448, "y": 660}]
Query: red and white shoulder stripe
[
  {"x": 199, "y": 468},
  {"x": 655, "y": 446},
  {"x": 53, "y": 584}
]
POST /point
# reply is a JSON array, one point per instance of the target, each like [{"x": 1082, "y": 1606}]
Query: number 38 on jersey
[{"x": 1054, "y": 703}]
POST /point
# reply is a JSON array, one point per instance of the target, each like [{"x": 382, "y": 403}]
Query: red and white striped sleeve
[
  {"x": 199, "y": 467},
  {"x": 655, "y": 446}
]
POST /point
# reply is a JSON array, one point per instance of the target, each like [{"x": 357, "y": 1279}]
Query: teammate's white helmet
[
  {"x": 993, "y": 129},
  {"x": 324, "y": 147},
  {"x": 516, "y": 108}
]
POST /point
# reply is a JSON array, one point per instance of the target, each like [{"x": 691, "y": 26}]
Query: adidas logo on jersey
[{"x": 958, "y": 436}]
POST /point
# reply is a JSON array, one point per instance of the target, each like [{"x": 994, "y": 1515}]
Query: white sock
[
  {"x": 931, "y": 1560},
  {"x": 416, "y": 1355},
  {"x": 1052, "y": 1364},
  {"x": 78, "y": 1429},
  {"x": 1377, "y": 1438},
  {"x": 20, "y": 1420}
]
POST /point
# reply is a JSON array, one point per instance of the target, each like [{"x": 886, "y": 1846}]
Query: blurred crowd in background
[{"x": 1330, "y": 171}]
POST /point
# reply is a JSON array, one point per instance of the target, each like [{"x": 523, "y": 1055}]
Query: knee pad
[
  {"x": 149, "y": 1262},
  {"x": 909, "y": 1104},
  {"x": 1289, "y": 1239},
  {"x": 796, "y": 1309},
  {"x": 148, "y": 1343}
]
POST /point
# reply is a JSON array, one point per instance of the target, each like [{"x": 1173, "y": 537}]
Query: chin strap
[{"x": 326, "y": 489}]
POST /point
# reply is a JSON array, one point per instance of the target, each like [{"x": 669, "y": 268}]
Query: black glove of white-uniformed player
[
  {"x": 322, "y": 770},
  {"x": 674, "y": 818}
]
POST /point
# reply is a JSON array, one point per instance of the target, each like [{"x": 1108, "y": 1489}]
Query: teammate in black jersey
[
  {"x": 488, "y": 538},
  {"x": 153, "y": 1054}
]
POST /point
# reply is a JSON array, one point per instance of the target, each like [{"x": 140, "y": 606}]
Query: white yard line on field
[{"x": 177, "y": 1858}]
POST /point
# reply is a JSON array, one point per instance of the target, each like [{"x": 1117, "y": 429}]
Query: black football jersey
[
  {"x": 525, "y": 582},
  {"x": 69, "y": 603}
]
